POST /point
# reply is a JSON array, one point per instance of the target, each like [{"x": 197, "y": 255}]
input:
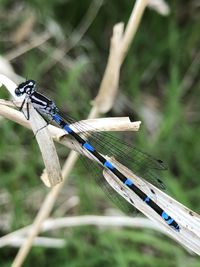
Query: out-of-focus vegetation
[{"x": 159, "y": 85}]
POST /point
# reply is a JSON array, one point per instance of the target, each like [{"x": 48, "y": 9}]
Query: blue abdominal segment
[
  {"x": 68, "y": 129},
  {"x": 88, "y": 147},
  {"x": 57, "y": 118},
  {"x": 170, "y": 221},
  {"x": 147, "y": 199},
  {"x": 128, "y": 182},
  {"x": 108, "y": 165}
]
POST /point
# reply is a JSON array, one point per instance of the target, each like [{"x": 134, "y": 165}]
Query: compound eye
[{"x": 19, "y": 91}]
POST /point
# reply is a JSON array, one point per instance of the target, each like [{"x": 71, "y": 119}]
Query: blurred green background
[{"x": 159, "y": 85}]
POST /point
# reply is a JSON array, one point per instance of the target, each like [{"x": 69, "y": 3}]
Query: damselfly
[{"x": 141, "y": 161}]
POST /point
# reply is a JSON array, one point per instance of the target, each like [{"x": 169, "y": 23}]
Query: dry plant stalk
[
  {"x": 189, "y": 221},
  {"x": 104, "y": 100},
  {"x": 52, "y": 224},
  {"x": 132, "y": 26},
  {"x": 47, "y": 148},
  {"x": 46, "y": 242},
  {"x": 120, "y": 43},
  {"x": 159, "y": 6},
  {"x": 109, "y": 124}
]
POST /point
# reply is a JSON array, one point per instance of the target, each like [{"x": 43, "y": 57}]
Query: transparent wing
[
  {"x": 144, "y": 165},
  {"x": 94, "y": 172}
]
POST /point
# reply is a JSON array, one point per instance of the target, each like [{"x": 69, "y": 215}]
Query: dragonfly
[{"x": 141, "y": 161}]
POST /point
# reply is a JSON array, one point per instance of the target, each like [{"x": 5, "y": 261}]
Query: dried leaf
[{"x": 189, "y": 221}]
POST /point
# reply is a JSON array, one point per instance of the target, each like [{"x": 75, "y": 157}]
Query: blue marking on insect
[
  {"x": 57, "y": 118},
  {"x": 164, "y": 215},
  {"x": 147, "y": 199},
  {"x": 109, "y": 165},
  {"x": 167, "y": 218},
  {"x": 128, "y": 182},
  {"x": 88, "y": 147},
  {"x": 68, "y": 129}
]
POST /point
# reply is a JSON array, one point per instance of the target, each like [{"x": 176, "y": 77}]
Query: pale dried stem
[
  {"x": 115, "y": 124},
  {"x": 120, "y": 44},
  {"x": 47, "y": 148},
  {"x": 14, "y": 115},
  {"x": 52, "y": 224},
  {"x": 189, "y": 222},
  {"x": 132, "y": 26},
  {"x": 39, "y": 242},
  {"x": 44, "y": 211},
  {"x": 110, "y": 81},
  {"x": 159, "y": 6}
]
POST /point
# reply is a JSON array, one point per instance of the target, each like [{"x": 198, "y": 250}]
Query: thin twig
[
  {"x": 46, "y": 242},
  {"x": 120, "y": 44},
  {"x": 132, "y": 26},
  {"x": 114, "y": 124},
  {"x": 52, "y": 224},
  {"x": 159, "y": 6}
]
